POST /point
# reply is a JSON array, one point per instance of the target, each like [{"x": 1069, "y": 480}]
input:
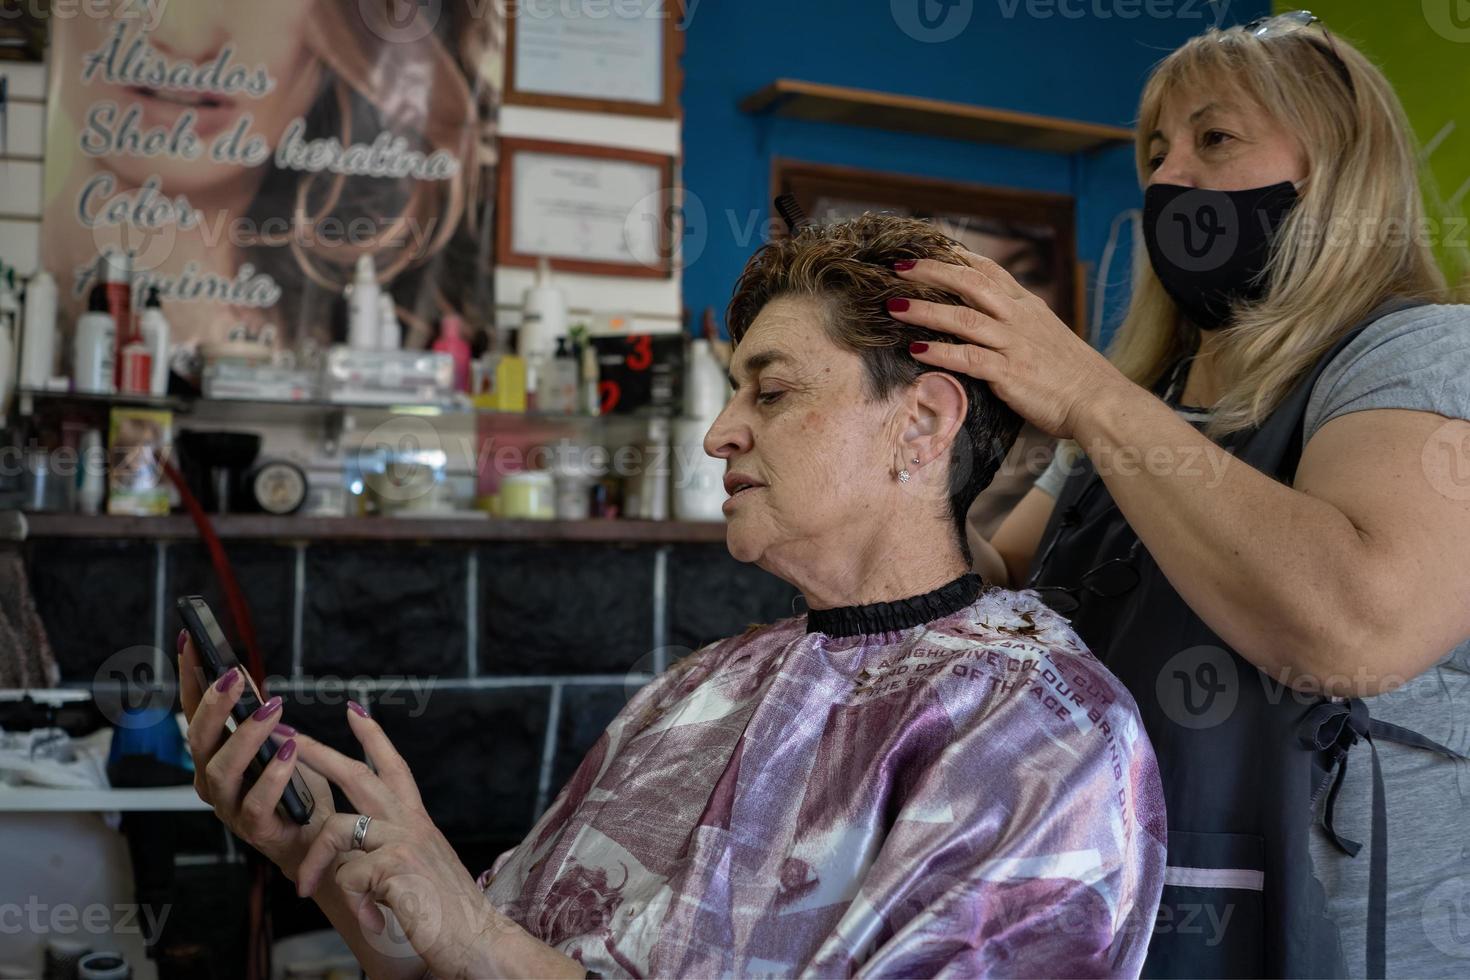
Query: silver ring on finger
[{"x": 360, "y": 832}]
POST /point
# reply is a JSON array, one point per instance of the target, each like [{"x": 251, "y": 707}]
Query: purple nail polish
[
  {"x": 904, "y": 265},
  {"x": 269, "y": 708},
  {"x": 284, "y": 730},
  {"x": 287, "y": 750},
  {"x": 227, "y": 681},
  {"x": 898, "y": 305},
  {"x": 357, "y": 708},
  {"x": 183, "y": 635}
]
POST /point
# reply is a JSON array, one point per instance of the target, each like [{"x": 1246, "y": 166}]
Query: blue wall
[{"x": 1078, "y": 59}]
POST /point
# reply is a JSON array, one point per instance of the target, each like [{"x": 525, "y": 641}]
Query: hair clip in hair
[{"x": 791, "y": 213}]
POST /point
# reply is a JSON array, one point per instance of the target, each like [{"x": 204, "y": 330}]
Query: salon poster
[{"x": 247, "y": 154}]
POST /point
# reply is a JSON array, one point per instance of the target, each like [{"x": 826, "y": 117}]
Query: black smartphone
[{"x": 218, "y": 658}]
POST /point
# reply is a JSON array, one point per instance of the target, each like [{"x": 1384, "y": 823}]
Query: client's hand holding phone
[{"x": 244, "y": 758}]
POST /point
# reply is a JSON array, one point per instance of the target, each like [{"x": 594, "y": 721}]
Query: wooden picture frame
[
  {"x": 506, "y": 227},
  {"x": 672, "y": 35},
  {"x": 23, "y": 33},
  {"x": 924, "y": 197}
]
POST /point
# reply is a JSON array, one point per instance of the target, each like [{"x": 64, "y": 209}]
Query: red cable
[{"x": 234, "y": 599}]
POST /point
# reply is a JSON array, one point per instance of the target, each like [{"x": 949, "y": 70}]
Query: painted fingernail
[
  {"x": 183, "y": 635},
  {"x": 287, "y": 750},
  {"x": 897, "y": 305},
  {"x": 228, "y": 680},
  {"x": 269, "y": 708},
  {"x": 284, "y": 730},
  {"x": 918, "y": 347},
  {"x": 357, "y": 708},
  {"x": 904, "y": 265}
]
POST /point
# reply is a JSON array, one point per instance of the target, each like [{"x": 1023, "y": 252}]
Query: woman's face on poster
[{"x": 260, "y": 34}]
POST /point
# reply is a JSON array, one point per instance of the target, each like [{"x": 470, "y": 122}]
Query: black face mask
[{"x": 1209, "y": 248}]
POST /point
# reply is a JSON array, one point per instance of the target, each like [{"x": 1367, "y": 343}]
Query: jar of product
[{"x": 529, "y": 495}]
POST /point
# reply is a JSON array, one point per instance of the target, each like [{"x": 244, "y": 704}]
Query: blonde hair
[{"x": 1362, "y": 170}]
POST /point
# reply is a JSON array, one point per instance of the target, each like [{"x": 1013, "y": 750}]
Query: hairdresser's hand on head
[
  {"x": 406, "y": 865},
  {"x": 221, "y": 759},
  {"x": 1011, "y": 339}
]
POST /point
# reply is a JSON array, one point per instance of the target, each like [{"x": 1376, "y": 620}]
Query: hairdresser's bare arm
[
  {"x": 1019, "y": 535},
  {"x": 1350, "y": 581}
]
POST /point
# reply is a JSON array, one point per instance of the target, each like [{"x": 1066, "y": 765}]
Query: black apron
[{"x": 1242, "y": 756}]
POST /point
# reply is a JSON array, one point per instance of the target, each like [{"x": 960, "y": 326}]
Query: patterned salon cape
[{"x": 973, "y": 797}]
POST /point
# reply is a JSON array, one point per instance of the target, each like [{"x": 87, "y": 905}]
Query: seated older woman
[{"x": 921, "y": 776}]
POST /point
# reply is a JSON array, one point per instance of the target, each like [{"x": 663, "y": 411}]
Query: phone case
[{"x": 217, "y": 657}]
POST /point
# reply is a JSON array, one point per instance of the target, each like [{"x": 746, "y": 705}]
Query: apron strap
[{"x": 1335, "y": 727}]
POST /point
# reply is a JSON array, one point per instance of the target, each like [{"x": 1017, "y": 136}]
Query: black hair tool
[{"x": 791, "y": 213}]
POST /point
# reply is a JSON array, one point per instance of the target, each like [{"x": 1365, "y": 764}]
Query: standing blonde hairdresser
[{"x": 1266, "y": 534}]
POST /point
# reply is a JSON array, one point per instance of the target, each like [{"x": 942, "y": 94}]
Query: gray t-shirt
[{"x": 1416, "y": 359}]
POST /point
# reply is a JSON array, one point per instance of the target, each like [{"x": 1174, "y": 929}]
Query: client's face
[{"x": 817, "y": 452}]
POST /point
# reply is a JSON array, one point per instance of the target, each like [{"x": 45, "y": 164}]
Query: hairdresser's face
[
  {"x": 1222, "y": 141},
  {"x": 261, "y": 34},
  {"x": 801, "y": 426}
]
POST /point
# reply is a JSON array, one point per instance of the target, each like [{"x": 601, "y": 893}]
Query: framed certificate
[
  {"x": 591, "y": 209},
  {"x": 616, "y": 56}
]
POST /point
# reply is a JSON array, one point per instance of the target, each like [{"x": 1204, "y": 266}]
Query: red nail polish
[
  {"x": 284, "y": 730},
  {"x": 287, "y": 750},
  {"x": 357, "y": 708},
  {"x": 183, "y": 635},
  {"x": 897, "y": 305},
  {"x": 269, "y": 708},
  {"x": 228, "y": 680},
  {"x": 918, "y": 347},
  {"x": 904, "y": 265}
]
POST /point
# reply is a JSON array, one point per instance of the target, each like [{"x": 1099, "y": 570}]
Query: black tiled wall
[{"x": 467, "y": 653}]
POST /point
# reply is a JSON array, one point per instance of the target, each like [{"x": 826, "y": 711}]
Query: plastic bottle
[
  {"x": 92, "y": 485},
  {"x": 543, "y": 315},
  {"x": 154, "y": 329},
  {"x": 137, "y": 368},
  {"x": 38, "y": 339},
  {"x": 451, "y": 341},
  {"x": 390, "y": 334},
  {"x": 95, "y": 343},
  {"x": 117, "y": 284},
  {"x": 363, "y": 312},
  {"x": 562, "y": 380},
  {"x": 591, "y": 398},
  {"x": 705, "y": 386}
]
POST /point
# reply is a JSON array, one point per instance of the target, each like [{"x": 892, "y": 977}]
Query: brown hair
[{"x": 849, "y": 266}]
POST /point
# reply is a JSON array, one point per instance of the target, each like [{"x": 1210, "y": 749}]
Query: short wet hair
[{"x": 849, "y": 267}]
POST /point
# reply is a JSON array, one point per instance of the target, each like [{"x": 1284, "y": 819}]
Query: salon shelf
[
  {"x": 45, "y": 799},
  {"x": 277, "y": 410},
  {"x": 815, "y": 102},
  {"x": 242, "y": 527}
]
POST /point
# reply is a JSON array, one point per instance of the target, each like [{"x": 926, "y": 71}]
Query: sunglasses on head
[{"x": 1280, "y": 25}]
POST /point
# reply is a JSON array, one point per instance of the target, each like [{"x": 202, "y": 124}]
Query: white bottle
[
  {"x": 705, "y": 385},
  {"x": 390, "y": 334},
  {"x": 154, "y": 328},
  {"x": 38, "y": 339},
  {"x": 93, "y": 484},
  {"x": 543, "y": 315},
  {"x": 96, "y": 347},
  {"x": 363, "y": 313}
]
